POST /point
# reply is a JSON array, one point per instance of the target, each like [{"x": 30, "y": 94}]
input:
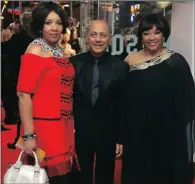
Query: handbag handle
[{"x": 19, "y": 162}]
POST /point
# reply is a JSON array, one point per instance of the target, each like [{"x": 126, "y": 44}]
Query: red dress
[{"x": 50, "y": 81}]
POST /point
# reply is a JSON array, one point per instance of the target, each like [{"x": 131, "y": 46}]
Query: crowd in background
[{"x": 88, "y": 109}]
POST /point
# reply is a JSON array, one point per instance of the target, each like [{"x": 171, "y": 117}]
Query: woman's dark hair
[
  {"x": 41, "y": 12},
  {"x": 148, "y": 21}
]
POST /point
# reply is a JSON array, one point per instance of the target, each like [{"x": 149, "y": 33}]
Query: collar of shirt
[{"x": 101, "y": 59}]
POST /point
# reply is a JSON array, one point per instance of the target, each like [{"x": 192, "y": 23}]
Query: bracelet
[{"x": 27, "y": 137}]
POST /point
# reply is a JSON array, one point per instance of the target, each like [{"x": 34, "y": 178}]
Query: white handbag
[{"x": 19, "y": 173}]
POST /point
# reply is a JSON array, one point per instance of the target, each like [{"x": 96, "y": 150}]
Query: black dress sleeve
[{"x": 179, "y": 63}]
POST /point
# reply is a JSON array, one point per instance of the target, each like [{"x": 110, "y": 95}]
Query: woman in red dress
[{"x": 45, "y": 88}]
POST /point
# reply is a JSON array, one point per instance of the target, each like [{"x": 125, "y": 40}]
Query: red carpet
[{"x": 9, "y": 156}]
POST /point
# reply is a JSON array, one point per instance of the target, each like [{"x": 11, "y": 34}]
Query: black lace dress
[{"x": 157, "y": 118}]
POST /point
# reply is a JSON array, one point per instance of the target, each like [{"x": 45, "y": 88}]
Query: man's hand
[{"x": 119, "y": 150}]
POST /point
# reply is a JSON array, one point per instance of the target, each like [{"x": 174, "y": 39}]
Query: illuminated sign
[{"x": 130, "y": 47}]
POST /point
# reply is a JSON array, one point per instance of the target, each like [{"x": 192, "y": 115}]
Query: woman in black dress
[{"x": 157, "y": 112}]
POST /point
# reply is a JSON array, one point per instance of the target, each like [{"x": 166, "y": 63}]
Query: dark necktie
[{"x": 95, "y": 82}]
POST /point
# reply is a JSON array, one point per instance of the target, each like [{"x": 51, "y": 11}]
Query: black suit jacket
[
  {"x": 11, "y": 55},
  {"x": 100, "y": 123}
]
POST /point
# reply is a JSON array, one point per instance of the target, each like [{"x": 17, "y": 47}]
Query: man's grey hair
[{"x": 25, "y": 19}]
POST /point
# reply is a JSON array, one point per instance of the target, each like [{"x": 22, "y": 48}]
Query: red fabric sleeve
[{"x": 31, "y": 68}]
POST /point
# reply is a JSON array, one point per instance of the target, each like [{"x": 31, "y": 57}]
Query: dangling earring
[
  {"x": 40, "y": 32},
  {"x": 163, "y": 41},
  {"x": 143, "y": 46}
]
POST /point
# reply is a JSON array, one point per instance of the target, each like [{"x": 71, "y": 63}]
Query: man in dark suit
[
  {"x": 97, "y": 97},
  {"x": 11, "y": 53}
]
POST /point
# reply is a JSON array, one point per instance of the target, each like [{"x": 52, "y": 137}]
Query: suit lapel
[
  {"x": 80, "y": 74},
  {"x": 84, "y": 78},
  {"x": 106, "y": 75},
  {"x": 88, "y": 81}
]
